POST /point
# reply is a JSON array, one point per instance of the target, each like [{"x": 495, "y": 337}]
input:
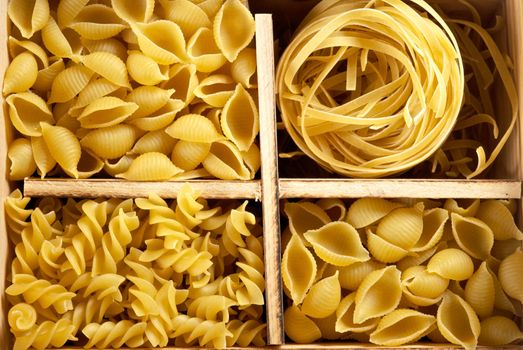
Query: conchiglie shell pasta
[
  {"x": 154, "y": 141},
  {"x": 465, "y": 209},
  {"x": 149, "y": 100},
  {"x": 183, "y": 79},
  {"x": 43, "y": 158},
  {"x": 110, "y": 142},
  {"x": 451, "y": 263},
  {"x": 473, "y": 236},
  {"x": 402, "y": 227},
  {"x": 106, "y": 111},
  {"x": 499, "y": 330},
  {"x": 510, "y": 275},
  {"x": 188, "y": 15},
  {"x": 502, "y": 249},
  {"x": 337, "y": 243},
  {"x": 119, "y": 166},
  {"x": 215, "y": 90},
  {"x": 367, "y": 211},
  {"x": 160, "y": 119},
  {"x": 111, "y": 45},
  {"x": 458, "y": 322},
  {"x": 194, "y": 128},
  {"x": 28, "y": 16},
  {"x": 210, "y": 7},
  {"x": 402, "y": 326},
  {"x": 422, "y": 283},
  {"x": 63, "y": 146},
  {"x": 304, "y": 216},
  {"x": 382, "y": 250},
  {"x": 226, "y": 34},
  {"x": 499, "y": 218},
  {"x": 26, "y": 111},
  {"x": 252, "y": 159},
  {"x": 136, "y": 11},
  {"x": 20, "y": 154},
  {"x": 378, "y": 294},
  {"x": 323, "y": 298},
  {"x": 299, "y": 327},
  {"x": 94, "y": 90},
  {"x": 154, "y": 43},
  {"x": 345, "y": 317},
  {"x": 351, "y": 276},
  {"x": 188, "y": 155},
  {"x": 46, "y": 76},
  {"x": 239, "y": 119},
  {"x": 420, "y": 257},
  {"x": 480, "y": 292},
  {"x": 298, "y": 269},
  {"x": 97, "y": 22},
  {"x": 434, "y": 221},
  {"x": 243, "y": 68},
  {"x": 334, "y": 207},
  {"x": 203, "y": 52},
  {"x": 21, "y": 74},
  {"x": 327, "y": 327},
  {"x": 150, "y": 166},
  {"x": 88, "y": 165},
  {"x": 69, "y": 82},
  {"x": 55, "y": 41},
  {"x": 108, "y": 66},
  {"x": 68, "y": 9},
  {"x": 144, "y": 70}
]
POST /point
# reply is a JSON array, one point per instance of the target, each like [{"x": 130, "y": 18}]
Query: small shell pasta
[
  {"x": 28, "y": 16},
  {"x": 480, "y": 291},
  {"x": 299, "y": 327},
  {"x": 69, "y": 82},
  {"x": 155, "y": 44},
  {"x": 499, "y": 218},
  {"x": 323, "y": 298},
  {"x": 20, "y": 154},
  {"x": 154, "y": 141},
  {"x": 108, "y": 66},
  {"x": 97, "y": 22},
  {"x": 434, "y": 221},
  {"x": 149, "y": 100},
  {"x": 366, "y": 211},
  {"x": 188, "y": 155},
  {"x": 473, "y": 236},
  {"x": 137, "y": 11},
  {"x": 499, "y": 330},
  {"x": 203, "y": 52},
  {"x": 144, "y": 70},
  {"x": 194, "y": 128},
  {"x": 345, "y": 317},
  {"x": 152, "y": 166},
  {"x": 243, "y": 68},
  {"x": 106, "y": 111},
  {"x": 510, "y": 276},
  {"x": 402, "y": 326},
  {"x": 451, "y": 263},
  {"x": 225, "y": 162},
  {"x": 187, "y": 14},
  {"x": 110, "y": 142},
  {"x": 215, "y": 90},
  {"x": 402, "y": 227},
  {"x": 21, "y": 74},
  {"x": 43, "y": 158},
  {"x": 63, "y": 146},
  {"x": 26, "y": 111}
]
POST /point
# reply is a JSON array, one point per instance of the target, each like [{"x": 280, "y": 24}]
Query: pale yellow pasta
[
  {"x": 154, "y": 43},
  {"x": 228, "y": 38},
  {"x": 203, "y": 52},
  {"x": 20, "y": 155},
  {"x": 215, "y": 89},
  {"x": 243, "y": 68},
  {"x": 421, "y": 287},
  {"x": 55, "y": 41},
  {"x": 21, "y": 74},
  {"x": 89, "y": 164},
  {"x": 46, "y": 76},
  {"x": 108, "y": 66},
  {"x": 298, "y": 269},
  {"x": 334, "y": 207},
  {"x": 28, "y": 16},
  {"x": 382, "y": 250},
  {"x": 144, "y": 70},
  {"x": 225, "y": 162},
  {"x": 351, "y": 276},
  {"x": 115, "y": 335},
  {"x": 160, "y": 119},
  {"x": 299, "y": 327},
  {"x": 345, "y": 317},
  {"x": 97, "y": 22},
  {"x": 94, "y": 90},
  {"x": 402, "y": 326},
  {"x": 463, "y": 208},
  {"x": 327, "y": 327},
  {"x": 106, "y": 111},
  {"x": 194, "y": 128},
  {"x": 118, "y": 166},
  {"x": 188, "y": 15},
  {"x": 151, "y": 166},
  {"x": 499, "y": 218},
  {"x": 451, "y": 263},
  {"x": 154, "y": 141},
  {"x": 502, "y": 249},
  {"x": 110, "y": 142},
  {"x": 68, "y": 83},
  {"x": 378, "y": 294},
  {"x": 252, "y": 159},
  {"x": 183, "y": 79},
  {"x": 43, "y": 158},
  {"x": 472, "y": 235},
  {"x": 63, "y": 146},
  {"x": 188, "y": 155},
  {"x": 323, "y": 297},
  {"x": 420, "y": 258},
  {"x": 149, "y": 99},
  {"x": 17, "y": 47},
  {"x": 137, "y": 11},
  {"x": 480, "y": 292},
  {"x": 210, "y": 7},
  {"x": 499, "y": 330},
  {"x": 458, "y": 322},
  {"x": 510, "y": 276},
  {"x": 434, "y": 221},
  {"x": 239, "y": 119},
  {"x": 111, "y": 45},
  {"x": 26, "y": 111},
  {"x": 402, "y": 227},
  {"x": 67, "y": 10},
  {"x": 367, "y": 211},
  {"x": 304, "y": 216}
]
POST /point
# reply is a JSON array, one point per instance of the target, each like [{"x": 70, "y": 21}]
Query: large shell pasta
[
  {"x": 28, "y": 16},
  {"x": 187, "y": 14},
  {"x": 473, "y": 236},
  {"x": 499, "y": 330},
  {"x": 138, "y": 11},
  {"x": 402, "y": 326},
  {"x": 43, "y": 158},
  {"x": 216, "y": 90},
  {"x": 225, "y": 162},
  {"x": 243, "y": 69},
  {"x": 108, "y": 66},
  {"x": 26, "y": 111},
  {"x": 498, "y": 217},
  {"x": 304, "y": 216},
  {"x": 298, "y": 269},
  {"x": 154, "y": 141},
  {"x": 194, "y": 128},
  {"x": 69, "y": 82},
  {"x": 144, "y": 70},
  {"x": 451, "y": 263},
  {"x": 382, "y": 250},
  {"x": 510, "y": 275},
  {"x": 106, "y": 111},
  {"x": 97, "y": 22},
  {"x": 188, "y": 155},
  {"x": 402, "y": 227},
  {"x": 434, "y": 221},
  {"x": 480, "y": 291},
  {"x": 21, "y": 74},
  {"x": 20, "y": 154},
  {"x": 323, "y": 298},
  {"x": 345, "y": 317},
  {"x": 110, "y": 142},
  {"x": 366, "y": 211},
  {"x": 63, "y": 146},
  {"x": 151, "y": 166},
  {"x": 203, "y": 52},
  {"x": 153, "y": 43},
  {"x": 46, "y": 76},
  {"x": 299, "y": 327}
]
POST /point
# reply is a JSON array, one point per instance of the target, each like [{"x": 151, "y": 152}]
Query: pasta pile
[
  {"x": 392, "y": 272},
  {"x": 144, "y": 90},
  {"x": 133, "y": 273}
]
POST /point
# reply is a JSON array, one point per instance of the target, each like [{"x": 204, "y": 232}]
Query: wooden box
[{"x": 505, "y": 182}]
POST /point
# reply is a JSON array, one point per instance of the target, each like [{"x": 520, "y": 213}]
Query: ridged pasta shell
[
  {"x": 188, "y": 15},
  {"x": 152, "y": 166},
  {"x": 106, "y": 111},
  {"x": 378, "y": 294},
  {"x": 345, "y": 317},
  {"x": 154, "y": 43},
  {"x": 239, "y": 119},
  {"x": 97, "y": 22},
  {"x": 298, "y": 269},
  {"x": 225, "y": 162},
  {"x": 89, "y": 165},
  {"x": 243, "y": 68},
  {"x": 20, "y": 154},
  {"x": 323, "y": 298},
  {"x": 367, "y": 211},
  {"x": 46, "y": 76},
  {"x": 203, "y": 52},
  {"x": 298, "y": 327},
  {"x": 120, "y": 166},
  {"x": 466, "y": 208},
  {"x": 499, "y": 330},
  {"x": 351, "y": 276},
  {"x": 210, "y": 7},
  {"x": 21, "y": 74},
  {"x": 402, "y": 227},
  {"x": 63, "y": 146},
  {"x": 149, "y": 100},
  {"x": 417, "y": 300},
  {"x": 188, "y": 155},
  {"x": 154, "y": 141},
  {"x": 327, "y": 327},
  {"x": 28, "y": 16},
  {"x": 304, "y": 216},
  {"x": 402, "y": 326},
  {"x": 499, "y": 218},
  {"x": 473, "y": 236},
  {"x": 68, "y": 83},
  {"x": 422, "y": 283},
  {"x": 110, "y": 142},
  {"x": 183, "y": 79},
  {"x": 144, "y": 70},
  {"x": 420, "y": 258},
  {"x": 510, "y": 275},
  {"x": 502, "y": 301},
  {"x": 108, "y": 66},
  {"x": 434, "y": 221},
  {"x": 27, "y": 111},
  {"x": 334, "y": 207},
  {"x": 228, "y": 38},
  {"x": 252, "y": 159},
  {"x": 16, "y": 47},
  {"x": 382, "y": 250},
  {"x": 215, "y": 90},
  {"x": 337, "y": 243},
  {"x": 160, "y": 119},
  {"x": 137, "y": 11},
  {"x": 43, "y": 158},
  {"x": 67, "y": 10},
  {"x": 194, "y": 128},
  {"x": 94, "y": 90},
  {"x": 451, "y": 263},
  {"x": 480, "y": 292},
  {"x": 111, "y": 45},
  {"x": 458, "y": 322},
  {"x": 55, "y": 41}
]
